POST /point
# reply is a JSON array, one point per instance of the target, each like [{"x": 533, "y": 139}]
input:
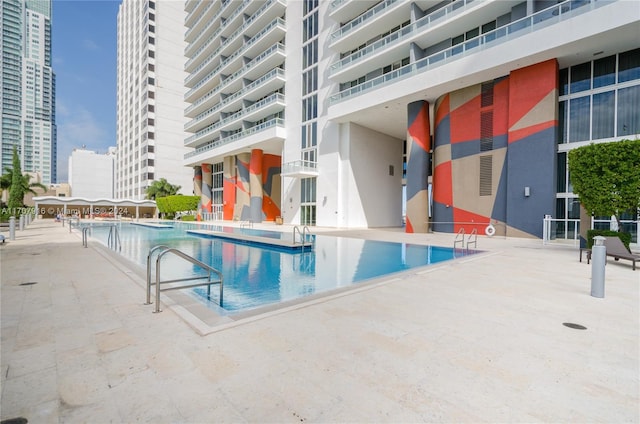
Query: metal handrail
[
  {"x": 459, "y": 239},
  {"x": 473, "y": 234},
  {"x": 113, "y": 240},
  {"x": 163, "y": 251},
  {"x": 303, "y": 235}
]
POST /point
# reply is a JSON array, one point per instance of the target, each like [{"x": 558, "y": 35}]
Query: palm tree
[{"x": 161, "y": 188}]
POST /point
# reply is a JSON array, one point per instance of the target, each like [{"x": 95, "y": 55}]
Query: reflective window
[
  {"x": 604, "y": 72},
  {"x": 629, "y": 111},
  {"x": 579, "y": 113},
  {"x": 602, "y": 115},
  {"x": 581, "y": 77},
  {"x": 629, "y": 66}
]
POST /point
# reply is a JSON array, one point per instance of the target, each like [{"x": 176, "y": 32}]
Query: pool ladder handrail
[
  {"x": 113, "y": 240},
  {"x": 303, "y": 235},
  {"x": 472, "y": 239},
  {"x": 163, "y": 250}
]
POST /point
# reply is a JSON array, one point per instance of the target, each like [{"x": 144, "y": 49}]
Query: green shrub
[
  {"x": 624, "y": 237},
  {"x": 188, "y": 218},
  {"x": 169, "y": 205}
]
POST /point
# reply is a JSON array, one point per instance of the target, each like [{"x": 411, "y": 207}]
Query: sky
[{"x": 84, "y": 45}]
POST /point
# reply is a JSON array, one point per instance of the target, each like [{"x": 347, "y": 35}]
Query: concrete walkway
[{"x": 474, "y": 340}]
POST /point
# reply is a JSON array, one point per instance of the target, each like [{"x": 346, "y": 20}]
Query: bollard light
[{"x": 598, "y": 262}]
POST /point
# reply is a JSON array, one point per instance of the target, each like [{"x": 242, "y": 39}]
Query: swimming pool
[{"x": 255, "y": 277}]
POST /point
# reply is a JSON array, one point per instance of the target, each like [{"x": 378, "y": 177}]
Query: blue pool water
[{"x": 255, "y": 277}]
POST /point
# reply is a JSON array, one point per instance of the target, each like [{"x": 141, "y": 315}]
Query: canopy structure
[{"x": 51, "y": 207}]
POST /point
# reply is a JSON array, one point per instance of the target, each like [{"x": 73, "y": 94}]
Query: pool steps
[{"x": 262, "y": 241}]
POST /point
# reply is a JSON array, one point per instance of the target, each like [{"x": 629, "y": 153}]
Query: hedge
[
  {"x": 624, "y": 237},
  {"x": 171, "y": 204}
]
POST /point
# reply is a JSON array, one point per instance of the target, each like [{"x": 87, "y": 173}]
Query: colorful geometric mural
[
  {"x": 197, "y": 186},
  {"x": 418, "y": 146},
  {"x": 207, "y": 182},
  {"x": 491, "y": 141}
]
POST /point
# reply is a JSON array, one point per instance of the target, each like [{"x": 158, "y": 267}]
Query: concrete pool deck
[{"x": 480, "y": 339}]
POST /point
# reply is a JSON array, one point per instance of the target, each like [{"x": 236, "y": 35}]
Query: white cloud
[{"x": 89, "y": 44}]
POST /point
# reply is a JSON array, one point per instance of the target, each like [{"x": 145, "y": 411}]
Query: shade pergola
[{"x": 51, "y": 206}]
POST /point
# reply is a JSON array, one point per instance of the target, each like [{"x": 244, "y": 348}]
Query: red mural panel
[
  {"x": 501, "y": 107},
  {"x": 465, "y": 121},
  {"x": 442, "y": 188},
  {"x": 461, "y": 215},
  {"x": 528, "y": 87},
  {"x": 442, "y": 110},
  {"x": 228, "y": 197}
]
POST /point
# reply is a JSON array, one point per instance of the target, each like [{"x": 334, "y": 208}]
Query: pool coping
[{"x": 204, "y": 320}]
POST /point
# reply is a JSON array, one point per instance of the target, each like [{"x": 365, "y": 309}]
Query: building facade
[
  {"x": 325, "y": 112},
  {"x": 28, "y": 88},
  {"x": 150, "y": 104},
  {"x": 92, "y": 175}
]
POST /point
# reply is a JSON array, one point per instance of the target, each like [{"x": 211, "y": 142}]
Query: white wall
[
  {"x": 169, "y": 104},
  {"x": 366, "y": 195},
  {"x": 91, "y": 175}
]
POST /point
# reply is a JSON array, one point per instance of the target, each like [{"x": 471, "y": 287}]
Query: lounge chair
[{"x": 617, "y": 250}]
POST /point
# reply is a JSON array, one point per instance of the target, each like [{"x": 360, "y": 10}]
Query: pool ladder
[
  {"x": 162, "y": 250},
  {"x": 472, "y": 239},
  {"x": 303, "y": 235}
]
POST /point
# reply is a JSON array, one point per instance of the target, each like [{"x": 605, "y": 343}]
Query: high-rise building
[
  {"x": 325, "y": 112},
  {"x": 28, "y": 88},
  {"x": 92, "y": 175},
  {"x": 150, "y": 104}
]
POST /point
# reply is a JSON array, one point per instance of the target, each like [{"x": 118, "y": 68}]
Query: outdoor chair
[{"x": 617, "y": 250}]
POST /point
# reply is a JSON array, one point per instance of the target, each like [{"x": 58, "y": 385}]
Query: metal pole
[
  {"x": 21, "y": 222},
  {"x": 598, "y": 262},
  {"x": 12, "y": 228}
]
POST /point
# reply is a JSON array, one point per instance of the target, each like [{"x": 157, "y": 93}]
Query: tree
[
  {"x": 606, "y": 177},
  {"x": 161, "y": 188},
  {"x": 18, "y": 184}
]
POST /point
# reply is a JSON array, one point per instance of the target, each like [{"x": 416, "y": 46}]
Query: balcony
[
  {"x": 365, "y": 17},
  {"x": 269, "y": 82},
  {"x": 406, "y": 35},
  {"x": 299, "y": 169},
  {"x": 553, "y": 15},
  {"x": 270, "y": 58},
  {"x": 271, "y": 124},
  {"x": 256, "y": 111}
]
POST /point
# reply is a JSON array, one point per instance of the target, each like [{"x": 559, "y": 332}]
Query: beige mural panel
[
  {"x": 466, "y": 182},
  {"x": 461, "y": 97},
  {"x": 418, "y": 213},
  {"x": 441, "y": 154},
  {"x": 544, "y": 111}
]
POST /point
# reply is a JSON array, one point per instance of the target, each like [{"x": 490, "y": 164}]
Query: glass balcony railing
[
  {"x": 275, "y": 48},
  {"x": 379, "y": 8},
  {"x": 299, "y": 167},
  {"x": 195, "y": 24},
  {"x": 276, "y": 122},
  {"x": 389, "y": 41},
  {"x": 527, "y": 25},
  {"x": 226, "y": 42},
  {"x": 245, "y": 47},
  {"x": 274, "y": 98},
  {"x": 274, "y": 73}
]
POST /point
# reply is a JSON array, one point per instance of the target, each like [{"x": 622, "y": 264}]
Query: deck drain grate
[
  {"x": 574, "y": 326},
  {"x": 28, "y": 283}
]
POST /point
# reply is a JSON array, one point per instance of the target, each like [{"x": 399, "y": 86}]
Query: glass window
[
  {"x": 604, "y": 71},
  {"x": 562, "y": 122},
  {"x": 579, "y": 114},
  {"x": 573, "y": 209},
  {"x": 564, "y": 81},
  {"x": 602, "y": 115},
  {"x": 629, "y": 66},
  {"x": 629, "y": 111},
  {"x": 560, "y": 208},
  {"x": 581, "y": 77},
  {"x": 561, "y": 186}
]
